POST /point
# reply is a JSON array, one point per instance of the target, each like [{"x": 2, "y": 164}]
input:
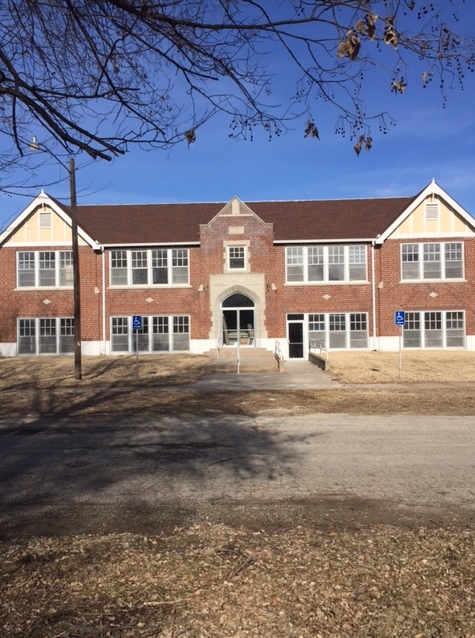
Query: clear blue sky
[{"x": 427, "y": 142}]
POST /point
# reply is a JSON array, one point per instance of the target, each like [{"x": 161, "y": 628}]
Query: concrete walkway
[{"x": 298, "y": 375}]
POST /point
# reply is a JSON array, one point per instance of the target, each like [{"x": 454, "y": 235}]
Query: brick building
[{"x": 202, "y": 276}]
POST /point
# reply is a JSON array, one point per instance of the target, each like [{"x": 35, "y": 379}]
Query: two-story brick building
[{"x": 221, "y": 274}]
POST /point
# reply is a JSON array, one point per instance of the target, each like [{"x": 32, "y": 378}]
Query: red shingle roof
[{"x": 331, "y": 220}]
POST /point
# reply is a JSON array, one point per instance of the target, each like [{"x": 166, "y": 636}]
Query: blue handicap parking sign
[
  {"x": 137, "y": 322},
  {"x": 399, "y": 317}
]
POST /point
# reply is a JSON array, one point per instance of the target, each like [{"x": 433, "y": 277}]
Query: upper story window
[
  {"x": 152, "y": 267},
  {"x": 313, "y": 264},
  {"x": 44, "y": 219},
  {"x": 432, "y": 261},
  {"x": 236, "y": 257},
  {"x": 45, "y": 269}
]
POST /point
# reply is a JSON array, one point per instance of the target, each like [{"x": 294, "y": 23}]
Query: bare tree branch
[{"x": 99, "y": 75}]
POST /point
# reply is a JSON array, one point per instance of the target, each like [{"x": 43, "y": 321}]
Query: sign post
[
  {"x": 136, "y": 326},
  {"x": 400, "y": 320}
]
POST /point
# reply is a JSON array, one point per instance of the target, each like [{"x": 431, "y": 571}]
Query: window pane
[
  {"x": 159, "y": 267},
  {"x": 180, "y": 266},
  {"x": 26, "y": 269},
  {"x": 181, "y": 337},
  {"x": 237, "y": 257},
  {"x": 412, "y": 330},
  {"x": 120, "y": 334},
  {"x": 358, "y": 330},
  {"x": 455, "y": 330},
  {"x": 66, "y": 336},
  {"x": 433, "y": 330},
  {"x": 294, "y": 262},
  {"x": 47, "y": 272},
  {"x": 119, "y": 268},
  {"x": 315, "y": 263},
  {"x": 432, "y": 264},
  {"x": 337, "y": 324},
  {"x": 357, "y": 263},
  {"x": 26, "y": 336},
  {"x": 47, "y": 339},
  {"x": 336, "y": 263},
  {"x": 453, "y": 260},
  {"x": 160, "y": 339},
  {"x": 410, "y": 261},
  {"x": 66, "y": 268},
  {"x": 139, "y": 267}
]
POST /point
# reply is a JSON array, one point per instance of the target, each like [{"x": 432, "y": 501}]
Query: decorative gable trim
[
  {"x": 432, "y": 189},
  {"x": 236, "y": 208},
  {"x": 42, "y": 200}
]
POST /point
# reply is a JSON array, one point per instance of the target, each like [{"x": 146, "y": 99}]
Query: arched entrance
[{"x": 238, "y": 320}]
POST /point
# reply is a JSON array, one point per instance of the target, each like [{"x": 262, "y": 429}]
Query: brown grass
[{"x": 416, "y": 367}]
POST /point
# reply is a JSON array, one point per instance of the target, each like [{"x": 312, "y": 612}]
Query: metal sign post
[
  {"x": 136, "y": 326},
  {"x": 400, "y": 320}
]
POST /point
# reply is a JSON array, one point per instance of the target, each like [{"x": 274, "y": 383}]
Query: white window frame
[
  {"x": 170, "y": 325},
  {"x": 316, "y": 263},
  {"x": 422, "y": 317},
  {"x": 59, "y": 329},
  {"x": 242, "y": 256},
  {"x": 39, "y": 258},
  {"x": 176, "y": 261},
  {"x": 320, "y": 324},
  {"x": 425, "y": 255}
]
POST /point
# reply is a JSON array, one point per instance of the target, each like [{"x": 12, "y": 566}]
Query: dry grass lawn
[
  {"x": 416, "y": 367},
  {"x": 45, "y": 387}
]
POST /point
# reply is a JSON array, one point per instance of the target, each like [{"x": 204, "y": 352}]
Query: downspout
[
  {"x": 103, "y": 302},
  {"x": 373, "y": 294}
]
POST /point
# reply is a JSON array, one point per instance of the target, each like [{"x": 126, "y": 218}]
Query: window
[
  {"x": 149, "y": 267},
  {"x": 434, "y": 329},
  {"x": 26, "y": 336},
  {"x": 338, "y": 330},
  {"x": 66, "y": 268},
  {"x": 154, "y": 336},
  {"x": 439, "y": 261},
  {"x": 314, "y": 264},
  {"x": 236, "y": 257},
  {"x": 51, "y": 335},
  {"x": 139, "y": 267},
  {"x": 45, "y": 269},
  {"x": 336, "y": 263}
]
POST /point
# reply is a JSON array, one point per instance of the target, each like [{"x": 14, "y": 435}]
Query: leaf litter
[{"x": 214, "y": 580}]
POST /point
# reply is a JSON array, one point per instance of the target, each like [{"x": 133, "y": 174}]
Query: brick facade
[{"x": 262, "y": 280}]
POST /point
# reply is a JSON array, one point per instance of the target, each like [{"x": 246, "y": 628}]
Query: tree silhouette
[{"x": 99, "y": 76}]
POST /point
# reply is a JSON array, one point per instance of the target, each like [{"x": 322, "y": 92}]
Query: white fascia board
[
  {"x": 44, "y": 199},
  {"x": 148, "y": 244},
  {"x": 432, "y": 189},
  {"x": 362, "y": 240}
]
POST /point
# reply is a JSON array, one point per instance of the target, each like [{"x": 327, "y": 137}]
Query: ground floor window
[
  {"x": 165, "y": 333},
  {"x": 54, "y": 335},
  {"x": 439, "y": 329},
  {"x": 337, "y": 331}
]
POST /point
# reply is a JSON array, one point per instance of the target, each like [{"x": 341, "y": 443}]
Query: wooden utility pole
[{"x": 76, "y": 279}]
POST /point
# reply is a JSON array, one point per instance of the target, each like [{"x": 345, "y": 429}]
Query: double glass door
[{"x": 238, "y": 321}]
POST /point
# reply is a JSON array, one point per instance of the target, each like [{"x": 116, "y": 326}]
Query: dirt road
[{"x": 323, "y": 466}]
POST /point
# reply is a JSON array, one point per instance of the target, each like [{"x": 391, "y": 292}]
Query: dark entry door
[{"x": 295, "y": 340}]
